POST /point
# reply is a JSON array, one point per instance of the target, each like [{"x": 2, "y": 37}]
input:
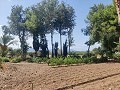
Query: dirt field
[{"x": 25, "y": 76}]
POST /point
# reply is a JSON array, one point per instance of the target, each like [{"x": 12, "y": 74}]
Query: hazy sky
[{"x": 81, "y": 7}]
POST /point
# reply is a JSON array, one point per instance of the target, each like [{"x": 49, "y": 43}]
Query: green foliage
[
  {"x": 87, "y": 60},
  {"x": 16, "y": 60},
  {"x": 70, "y": 60},
  {"x": 41, "y": 19},
  {"x": 16, "y": 52},
  {"x": 37, "y": 60},
  {"x": 117, "y": 55},
  {"x": 5, "y": 41},
  {"x": 5, "y": 59},
  {"x": 30, "y": 60},
  {"x": 17, "y": 20},
  {"x": 102, "y": 26},
  {"x": 0, "y": 59},
  {"x": 55, "y": 61}
]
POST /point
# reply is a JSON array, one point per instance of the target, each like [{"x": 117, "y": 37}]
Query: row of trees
[
  {"x": 102, "y": 27},
  {"x": 38, "y": 20}
]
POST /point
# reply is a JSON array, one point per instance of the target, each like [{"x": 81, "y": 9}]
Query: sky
[{"x": 81, "y": 7}]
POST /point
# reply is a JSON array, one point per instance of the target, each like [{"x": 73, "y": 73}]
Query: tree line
[{"x": 41, "y": 19}]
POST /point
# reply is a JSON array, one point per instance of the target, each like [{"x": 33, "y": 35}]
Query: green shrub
[
  {"x": 39, "y": 60},
  {"x": 117, "y": 55},
  {"x": 30, "y": 60},
  {"x": 79, "y": 60},
  {"x": 5, "y": 59},
  {"x": 16, "y": 60},
  {"x": 72, "y": 61},
  {"x": 94, "y": 59},
  {"x": 87, "y": 60},
  {"x": 55, "y": 61},
  {"x": 44, "y": 59},
  {"x": 66, "y": 61},
  {"x": 0, "y": 59}
]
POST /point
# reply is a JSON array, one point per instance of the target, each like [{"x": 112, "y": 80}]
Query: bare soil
[{"x": 32, "y": 76}]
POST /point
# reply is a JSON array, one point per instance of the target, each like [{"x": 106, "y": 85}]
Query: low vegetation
[{"x": 117, "y": 55}]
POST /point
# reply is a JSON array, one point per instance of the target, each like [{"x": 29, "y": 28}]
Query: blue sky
[{"x": 81, "y": 7}]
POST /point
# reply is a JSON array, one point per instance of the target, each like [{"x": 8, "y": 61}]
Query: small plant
[
  {"x": 0, "y": 59},
  {"x": 30, "y": 60},
  {"x": 55, "y": 61},
  {"x": 39, "y": 60},
  {"x": 69, "y": 60},
  {"x": 117, "y": 55},
  {"x": 87, "y": 60},
  {"x": 16, "y": 60},
  {"x": 94, "y": 59},
  {"x": 5, "y": 59}
]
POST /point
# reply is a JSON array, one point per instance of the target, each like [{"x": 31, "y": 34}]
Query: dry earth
[{"x": 24, "y": 76}]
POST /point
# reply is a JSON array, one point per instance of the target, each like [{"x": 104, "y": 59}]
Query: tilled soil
[{"x": 32, "y": 76}]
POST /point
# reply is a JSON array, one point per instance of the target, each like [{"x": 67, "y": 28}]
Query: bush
[
  {"x": 63, "y": 61},
  {"x": 55, "y": 61},
  {"x": 0, "y": 59},
  {"x": 30, "y": 60},
  {"x": 87, "y": 60},
  {"x": 16, "y": 60},
  {"x": 72, "y": 61},
  {"x": 68, "y": 61},
  {"x": 94, "y": 59},
  {"x": 117, "y": 55},
  {"x": 5, "y": 59},
  {"x": 39, "y": 60}
]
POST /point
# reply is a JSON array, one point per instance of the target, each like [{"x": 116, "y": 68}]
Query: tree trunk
[
  {"x": 22, "y": 41},
  {"x": 60, "y": 42},
  {"x": 52, "y": 44},
  {"x": 69, "y": 48},
  {"x": 69, "y": 42},
  {"x": 89, "y": 51}
]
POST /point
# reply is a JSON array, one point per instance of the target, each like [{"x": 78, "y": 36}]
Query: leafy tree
[
  {"x": 117, "y": 10},
  {"x": 6, "y": 30},
  {"x": 6, "y": 40},
  {"x": 102, "y": 26},
  {"x": 36, "y": 25},
  {"x": 50, "y": 10},
  {"x": 17, "y": 20},
  {"x": 47, "y": 16},
  {"x": 65, "y": 20},
  {"x": 32, "y": 26}
]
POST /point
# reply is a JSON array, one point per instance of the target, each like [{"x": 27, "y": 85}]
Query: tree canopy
[{"x": 102, "y": 26}]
